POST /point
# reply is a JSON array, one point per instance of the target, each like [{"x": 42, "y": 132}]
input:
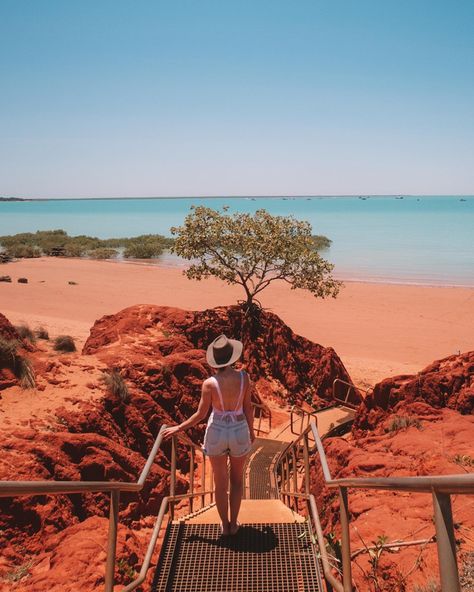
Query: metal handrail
[
  {"x": 17, "y": 488},
  {"x": 351, "y": 387},
  {"x": 303, "y": 415},
  {"x": 264, "y": 412},
  {"x": 440, "y": 486},
  {"x": 288, "y": 489}
]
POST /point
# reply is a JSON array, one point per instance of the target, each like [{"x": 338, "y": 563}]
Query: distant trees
[
  {"x": 253, "y": 251},
  {"x": 58, "y": 242}
]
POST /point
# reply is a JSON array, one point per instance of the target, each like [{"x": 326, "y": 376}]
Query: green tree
[{"x": 253, "y": 251}]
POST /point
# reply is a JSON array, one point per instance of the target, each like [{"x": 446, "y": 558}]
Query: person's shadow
[{"x": 248, "y": 539}]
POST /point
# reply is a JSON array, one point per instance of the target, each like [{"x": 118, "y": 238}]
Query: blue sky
[{"x": 149, "y": 98}]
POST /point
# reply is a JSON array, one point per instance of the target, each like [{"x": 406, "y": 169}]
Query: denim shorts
[{"x": 223, "y": 437}]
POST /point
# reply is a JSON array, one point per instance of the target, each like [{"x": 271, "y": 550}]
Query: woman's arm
[
  {"x": 197, "y": 417},
  {"x": 248, "y": 407}
]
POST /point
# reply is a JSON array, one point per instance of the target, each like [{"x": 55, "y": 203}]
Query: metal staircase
[
  {"x": 273, "y": 551},
  {"x": 280, "y": 545}
]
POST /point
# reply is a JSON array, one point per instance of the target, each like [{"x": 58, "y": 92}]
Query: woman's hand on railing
[{"x": 168, "y": 432}]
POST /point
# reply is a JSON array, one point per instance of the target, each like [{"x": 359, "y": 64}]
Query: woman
[{"x": 229, "y": 430}]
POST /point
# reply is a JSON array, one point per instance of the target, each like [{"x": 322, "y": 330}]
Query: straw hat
[{"x": 223, "y": 352}]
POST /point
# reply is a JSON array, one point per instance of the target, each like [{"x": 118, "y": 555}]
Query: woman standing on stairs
[{"x": 229, "y": 430}]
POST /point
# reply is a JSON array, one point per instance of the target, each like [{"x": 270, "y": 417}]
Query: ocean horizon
[{"x": 403, "y": 239}]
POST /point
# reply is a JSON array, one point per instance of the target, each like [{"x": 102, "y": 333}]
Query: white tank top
[{"x": 232, "y": 414}]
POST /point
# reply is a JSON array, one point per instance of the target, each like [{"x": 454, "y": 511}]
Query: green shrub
[
  {"x": 19, "y": 251},
  {"x": 64, "y": 343},
  {"x": 102, "y": 253},
  {"x": 74, "y": 250},
  {"x": 143, "y": 250},
  {"x": 116, "y": 385},
  {"x": 54, "y": 242},
  {"x": 401, "y": 422},
  {"x": 321, "y": 242}
]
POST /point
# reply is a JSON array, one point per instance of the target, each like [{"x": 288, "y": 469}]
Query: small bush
[
  {"x": 64, "y": 343},
  {"x": 464, "y": 460},
  {"x": 42, "y": 333},
  {"x": 142, "y": 251},
  {"x": 23, "y": 251},
  {"x": 401, "y": 422},
  {"x": 8, "y": 351},
  {"x": 116, "y": 385},
  {"x": 74, "y": 250},
  {"x": 26, "y": 374},
  {"x": 20, "y": 366},
  {"x": 102, "y": 253},
  {"x": 25, "y": 333}
]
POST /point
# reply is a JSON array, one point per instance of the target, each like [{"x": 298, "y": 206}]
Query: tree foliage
[
  {"x": 253, "y": 251},
  {"x": 46, "y": 242}
]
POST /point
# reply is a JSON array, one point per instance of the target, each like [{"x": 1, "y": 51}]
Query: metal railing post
[
  {"x": 346, "y": 542},
  {"x": 448, "y": 568},
  {"x": 306, "y": 463},
  {"x": 112, "y": 540},
  {"x": 173, "y": 475},
  {"x": 191, "y": 478},
  {"x": 203, "y": 482}
]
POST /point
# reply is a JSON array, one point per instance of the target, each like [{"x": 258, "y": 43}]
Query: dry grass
[
  {"x": 64, "y": 343},
  {"x": 42, "y": 333},
  {"x": 18, "y": 364},
  {"x": 25, "y": 332},
  {"x": 116, "y": 385},
  {"x": 402, "y": 422}
]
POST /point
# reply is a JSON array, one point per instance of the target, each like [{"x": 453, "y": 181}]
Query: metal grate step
[
  {"x": 260, "y": 558},
  {"x": 260, "y": 482}
]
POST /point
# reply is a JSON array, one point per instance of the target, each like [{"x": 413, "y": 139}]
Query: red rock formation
[
  {"x": 444, "y": 383},
  {"x": 165, "y": 352},
  {"x": 409, "y": 426},
  {"x": 160, "y": 354},
  {"x": 7, "y": 330}
]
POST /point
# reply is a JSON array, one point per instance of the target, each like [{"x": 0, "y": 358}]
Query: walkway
[{"x": 272, "y": 552}]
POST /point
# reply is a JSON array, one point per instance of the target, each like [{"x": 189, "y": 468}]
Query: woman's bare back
[{"x": 229, "y": 381}]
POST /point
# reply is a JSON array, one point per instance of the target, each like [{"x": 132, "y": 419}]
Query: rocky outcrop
[
  {"x": 162, "y": 350},
  {"x": 445, "y": 383},
  {"x": 409, "y": 426}
]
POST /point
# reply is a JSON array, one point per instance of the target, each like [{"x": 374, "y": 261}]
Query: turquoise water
[{"x": 421, "y": 240}]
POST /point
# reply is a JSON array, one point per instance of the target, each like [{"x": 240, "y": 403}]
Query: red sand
[{"x": 378, "y": 329}]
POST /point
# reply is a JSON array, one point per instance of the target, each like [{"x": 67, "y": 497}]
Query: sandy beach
[{"x": 378, "y": 330}]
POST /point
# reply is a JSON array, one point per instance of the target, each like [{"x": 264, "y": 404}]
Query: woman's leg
[
  {"x": 237, "y": 464},
  {"x": 221, "y": 481}
]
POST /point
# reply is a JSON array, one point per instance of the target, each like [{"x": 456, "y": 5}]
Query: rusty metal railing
[{"x": 201, "y": 493}]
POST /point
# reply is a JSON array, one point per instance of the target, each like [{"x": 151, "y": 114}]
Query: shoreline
[
  {"x": 378, "y": 330},
  {"x": 341, "y": 277}
]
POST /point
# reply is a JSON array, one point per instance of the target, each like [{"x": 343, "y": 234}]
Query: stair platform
[{"x": 251, "y": 511}]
